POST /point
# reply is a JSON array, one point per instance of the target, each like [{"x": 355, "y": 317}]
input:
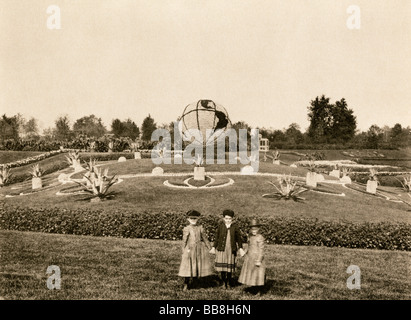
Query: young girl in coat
[
  {"x": 195, "y": 259},
  {"x": 253, "y": 270},
  {"x": 227, "y": 241}
]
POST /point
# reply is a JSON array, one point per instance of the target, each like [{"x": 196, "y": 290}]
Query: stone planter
[
  {"x": 319, "y": 177},
  {"x": 36, "y": 183},
  {"x": 346, "y": 180},
  {"x": 157, "y": 171},
  {"x": 199, "y": 173},
  {"x": 335, "y": 173},
  {"x": 372, "y": 186},
  {"x": 76, "y": 165},
  {"x": 137, "y": 155},
  {"x": 311, "y": 179},
  {"x": 277, "y": 162}
]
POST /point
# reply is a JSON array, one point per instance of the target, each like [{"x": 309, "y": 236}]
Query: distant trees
[
  {"x": 330, "y": 123},
  {"x": 9, "y": 128},
  {"x": 126, "y": 128},
  {"x": 62, "y": 129},
  {"x": 147, "y": 128},
  {"x": 90, "y": 126}
]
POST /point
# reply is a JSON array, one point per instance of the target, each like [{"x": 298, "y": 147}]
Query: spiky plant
[
  {"x": 36, "y": 171},
  {"x": 406, "y": 183},
  {"x": 345, "y": 171},
  {"x": 73, "y": 157},
  {"x": 373, "y": 174},
  {"x": 198, "y": 161},
  {"x": 276, "y": 155},
  {"x": 311, "y": 166},
  {"x": 5, "y": 175},
  {"x": 288, "y": 189},
  {"x": 100, "y": 185}
]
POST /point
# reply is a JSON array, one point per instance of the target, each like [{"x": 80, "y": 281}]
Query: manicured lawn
[
  {"x": 139, "y": 194},
  {"x": 11, "y": 156},
  {"x": 112, "y": 268}
]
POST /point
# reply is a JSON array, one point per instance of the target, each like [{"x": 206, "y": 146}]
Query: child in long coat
[
  {"x": 195, "y": 259},
  {"x": 253, "y": 270},
  {"x": 228, "y": 241}
]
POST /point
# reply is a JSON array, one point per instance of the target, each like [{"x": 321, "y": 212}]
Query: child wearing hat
[
  {"x": 195, "y": 259},
  {"x": 227, "y": 241},
  {"x": 253, "y": 270}
]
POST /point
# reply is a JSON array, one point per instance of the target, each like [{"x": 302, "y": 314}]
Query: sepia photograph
[{"x": 227, "y": 153}]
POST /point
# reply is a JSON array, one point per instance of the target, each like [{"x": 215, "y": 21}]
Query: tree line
[{"x": 332, "y": 125}]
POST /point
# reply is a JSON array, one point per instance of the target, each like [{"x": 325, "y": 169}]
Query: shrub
[{"x": 169, "y": 226}]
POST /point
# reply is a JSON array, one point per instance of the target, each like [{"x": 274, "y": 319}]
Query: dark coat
[{"x": 221, "y": 237}]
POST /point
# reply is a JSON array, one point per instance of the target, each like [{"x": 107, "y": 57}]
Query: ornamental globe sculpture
[{"x": 209, "y": 118}]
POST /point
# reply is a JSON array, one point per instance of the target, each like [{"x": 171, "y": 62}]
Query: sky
[{"x": 263, "y": 60}]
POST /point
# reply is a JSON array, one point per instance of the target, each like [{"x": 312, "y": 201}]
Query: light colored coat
[
  {"x": 195, "y": 260},
  {"x": 251, "y": 274}
]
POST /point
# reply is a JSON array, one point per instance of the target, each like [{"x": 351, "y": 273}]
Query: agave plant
[
  {"x": 198, "y": 161},
  {"x": 288, "y": 189},
  {"x": 276, "y": 155},
  {"x": 5, "y": 175},
  {"x": 345, "y": 171},
  {"x": 73, "y": 157},
  {"x": 36, "y": 171},
  {"x": 100, "y": 185},
  {"x": 311, "y": 166},
  {"x": 406, "y": 183},
  {"x": 373, "y": 174}
]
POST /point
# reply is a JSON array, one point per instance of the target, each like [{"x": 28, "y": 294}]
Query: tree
[
  {"x": 117, "y": 128},
  {"x": 31, "y": 128},
  {"x": 9, "y": 128},
  {"x": 130, "y": 130},
  {"x": 319, "y": 115},
  {"x": 344, "y": 122},
  {"x": 293, "y": 134},
  {"x": 90, "y": 126},
  {"x": 330, "y": 123},
  {"x": 62, "y": 130},
  {"x": 147, "y": 128},
  {"x": 375, "y": 137},
  {"x": 400, "y": 136}
]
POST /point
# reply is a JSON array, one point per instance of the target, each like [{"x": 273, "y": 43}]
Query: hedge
[{"x": 169, "y": 226}]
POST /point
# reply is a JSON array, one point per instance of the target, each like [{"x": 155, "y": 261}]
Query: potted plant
[
  {"x": 276, "y": 157},
  {"x": 372, "y": 182},
  {"x": 335, "y": 172},
  {"x": 4, "y": 175},
  {"x": 345, "y": 175},
  {"x": 36, "y": 174},
  {"x": 135, "y": 148},
  {"x": 311, "y": 178},
  {"x": 74, "y": 160},
  {"x": 199, "y": 170}
]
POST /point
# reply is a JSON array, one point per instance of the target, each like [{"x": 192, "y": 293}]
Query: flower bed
[{"x": 169, "y": 226}]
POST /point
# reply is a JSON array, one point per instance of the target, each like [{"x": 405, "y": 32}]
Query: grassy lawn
[
  {"x": 112, "y": 268},
  {"x": 11, "y": 156},
  {"x": 244, "y": 196}
]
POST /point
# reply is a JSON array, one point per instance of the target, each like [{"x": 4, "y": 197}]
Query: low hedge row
[
  {"x": 169, "y": 226},
  {"x": 110, "y": 156}
]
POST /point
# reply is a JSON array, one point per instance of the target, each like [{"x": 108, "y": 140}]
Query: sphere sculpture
[{"x": 206, "y": 116}]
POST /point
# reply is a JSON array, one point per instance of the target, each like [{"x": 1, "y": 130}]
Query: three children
[{"x": 195, "y": 261}]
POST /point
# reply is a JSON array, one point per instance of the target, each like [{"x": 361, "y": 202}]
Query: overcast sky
[{"x": 264, "y": 61}]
